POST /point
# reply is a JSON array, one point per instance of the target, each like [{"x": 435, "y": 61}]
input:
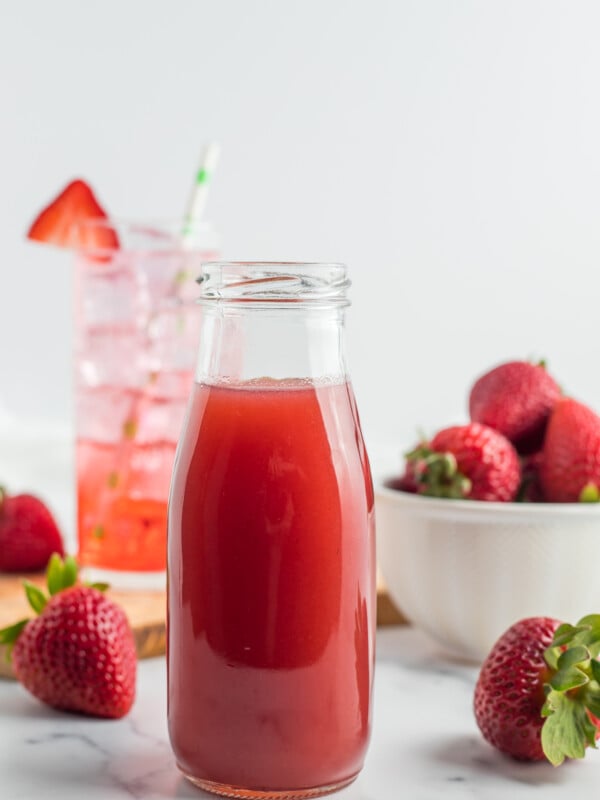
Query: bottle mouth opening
[{"x": 274, "y": 282}]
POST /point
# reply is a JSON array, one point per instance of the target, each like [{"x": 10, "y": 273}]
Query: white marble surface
[{"x": 425, "y": 743}]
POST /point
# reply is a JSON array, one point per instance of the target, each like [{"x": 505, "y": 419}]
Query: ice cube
[
  {"x": 106, "y": 413},
  {"x": 112, "y": 356},
  {"x": 111, "y": 294},
  {"x": 173, "y": 338},
  {"x": 159, "y": 419}
]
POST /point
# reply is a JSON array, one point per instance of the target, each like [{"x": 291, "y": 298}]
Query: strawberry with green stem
[
  {"x": 538, "y": 693},
  {"x": 466, "y": 461},
  {"x": 570, "y": 462},
  {"x": 78, "y": 654}
]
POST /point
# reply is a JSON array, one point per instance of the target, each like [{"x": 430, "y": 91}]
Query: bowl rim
[{"x": 477, "y": 508}]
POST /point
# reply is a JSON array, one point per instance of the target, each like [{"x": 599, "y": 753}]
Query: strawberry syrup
[{"x": 271, "y": 590}]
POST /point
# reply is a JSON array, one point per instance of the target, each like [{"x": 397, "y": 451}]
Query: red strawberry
[
  {"x": 408, "y": 482},
  {"x": 28, "y": 534},
  {"x": 405, "y": 483},
  {"x": 79, "y": 653},
  {"x": 63, "y": 222},
  {"x": 570, "y": 470},
  {"x": 537, "y": 696},
  {"x": 467, "y": 461},
  {"x": 516, "y": 399}
]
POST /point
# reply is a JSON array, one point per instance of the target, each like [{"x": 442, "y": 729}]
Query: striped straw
[{"x": 200, "y": 189}]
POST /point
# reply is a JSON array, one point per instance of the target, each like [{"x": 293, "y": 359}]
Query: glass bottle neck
[{"x": 241, "y": 343}]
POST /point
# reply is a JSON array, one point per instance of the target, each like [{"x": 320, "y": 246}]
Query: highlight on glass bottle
[{"x": 271, "y": 542}]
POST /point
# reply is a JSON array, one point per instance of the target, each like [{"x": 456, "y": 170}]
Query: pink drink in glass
[{"x": 137, "y": 331}]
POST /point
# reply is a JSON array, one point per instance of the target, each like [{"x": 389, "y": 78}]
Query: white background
[{"x": 449, "y": 152}]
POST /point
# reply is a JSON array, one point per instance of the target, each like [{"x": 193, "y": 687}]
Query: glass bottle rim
[{"x": 309, "y": 283}]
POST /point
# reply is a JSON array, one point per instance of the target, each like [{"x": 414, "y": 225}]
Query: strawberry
[
  {"x": 28, "y": 533},
  {"x": 467, "y": 461},
  {"x": 537, "y": 696},
  {"x": 516, "y": 399},
  {"x": 409, "y": 481},
  {"x": 64, "y": 221},
  {"x": 79, "y": 653},
  {"x": 405, "y": 483},
  {"x": 570, "y": 470}
]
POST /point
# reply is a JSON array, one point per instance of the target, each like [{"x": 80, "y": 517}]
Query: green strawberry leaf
[
  {"x": 440, "y": 476},
  {"x": 566, "y": 730},
  {"x": 589, "y": 730},
  {"x": 574, "y": 655},
  {"x": 61, "y": 574},
  {"x": 589, "y": 494},
  {"x": 595, "y": 670},
  {"x": 551, "y": 656},
  {"x": 54, "y": 574},
  {"x": 418, "y": 453},
  {"x": 10, "y": 634},
  {"x": 586, "y": 633},
  {"x": 566, "y": 679},
  {"x": 101, "y": 587},
  {"x": 573, "y": 691},
  {"x": 564, "y": 634},
  {"x": 37, "y": 599},
  {"x": 592, "y": 621},
  {"x": 591, "y": 700},
  {"x": 590, "y": 633},
  {"x": 69, "y": 572},
  {"x": 572, "y": 669}
]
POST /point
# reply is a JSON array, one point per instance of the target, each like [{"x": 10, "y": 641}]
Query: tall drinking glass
[{"x": 136, "y": 339}]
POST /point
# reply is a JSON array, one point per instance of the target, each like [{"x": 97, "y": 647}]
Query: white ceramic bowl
[{"x": 464, "y": 570}]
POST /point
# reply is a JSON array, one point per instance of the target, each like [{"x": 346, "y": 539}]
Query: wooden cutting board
[{"x": 145, "y": 611}]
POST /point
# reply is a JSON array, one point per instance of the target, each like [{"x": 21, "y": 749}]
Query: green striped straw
[{"x": 200, "y": 189}]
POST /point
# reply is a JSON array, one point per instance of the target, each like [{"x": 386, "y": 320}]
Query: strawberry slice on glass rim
[{"x": 74, "y": 219}]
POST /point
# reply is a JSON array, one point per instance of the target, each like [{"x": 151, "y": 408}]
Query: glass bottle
[{"x": 271, "y": 568}]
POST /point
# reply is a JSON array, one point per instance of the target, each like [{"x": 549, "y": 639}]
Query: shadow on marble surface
[{"x": 470, "y": 755}]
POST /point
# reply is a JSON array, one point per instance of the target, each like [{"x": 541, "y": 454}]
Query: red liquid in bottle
[{"x": 271, "y": 589}]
